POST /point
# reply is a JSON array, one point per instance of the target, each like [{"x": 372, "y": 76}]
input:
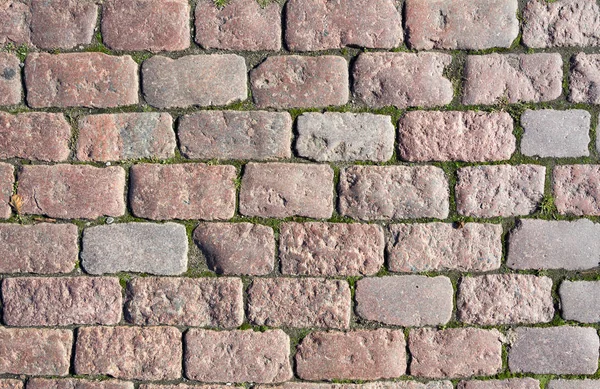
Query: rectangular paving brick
[
  {"x": 330, "y": 249},
  {"x": 580, "y": 301},
  {"x": 403, "y": 384},
  {"x": 195, "y": 302},
  {"x": 13, "y": 23},
  {"x": 585, "y": 74},
  {"x": 574, "y": 384},
  {"x": 393, "y": 192},
  {"x": 554, "y": 350},
  {"x": 142, "y": 353},
  {"x": 511, "y": 383},
  {"x": 114, "y": 137},
  {"x": 10, "y": 79},
  {"x": 192, "y": 191},
  {"x": 255, "y": 135},
  {"x": 61, "y": 301},
  {"x": 7, "y": 179},
  {"x": 11, "y": 384},
  {"x": 299, "y": 302},
  {"x": 72, "y": 383},
  {"x": 183, "y": 386},
  {"x": 576, "y": 189},
  {"x": 261, "y": 357}
]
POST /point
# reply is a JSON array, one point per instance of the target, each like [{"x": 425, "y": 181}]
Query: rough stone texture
[
  {"x": 554, "y": 350},
  {"x": 299, "y": 302},
  {"x": 10, "y": 77},
  {"x": 407, "y": 301},
  {"x": 333, "y": 136},
  {"x": 321, "y": 25},
  {"x": 461, "y": 24},
  {"x": 34, "y": 351},
  {"x": 256, "y": 135},
  {"x": 556, "y": 134},
  {"x": 380, "y": 79},
  {"x": 585, "y": 79},
  {"x": 502, "y": 190},
  {"x": 62, "y": 24},
  {"x": 71, "y": 383},
  {"x": 561, "y": 23},
  {"x": 199, "y": 80},
  {"x": 393, "y": 192},
  {"x": 15, "y": 17},
  {"x": 580, "y": 301},
  {"x": 135, "y": 247},
  {"x": 42, "y": 248},
  {"x": 511, "y": 383},
  {"x": 152, "y": 25},
  {"x": 355, "y": 355},
  {"x": 541, "y": 244},
  {"x": 260, "y": 357},
  {"x": 72, "y": 191},
  {"x": 574, "y": 384},
  {"x": 35, "y": 135},
  {"x": 409, "y": 384},
  {"x": 455, "y": 352},
  {"x": 183, "y": 386},
  {"x": 61, "y": 301},
  {"x": 330, "y": 249},
  {"x": 517, "y": 78},
  {"x": 238, "y": 25},
  {"x": 142, "y": 353},
  {"x": 113, "y": 137},
  {"x": 576, "y": 189},
  {"x": 7, "y": 179},
  {"x": 287, "y": 189},
  {"x": 497, "y": 299},
  {"x": 196, "y": 302},
  {"x": 468, "y": 136},
  {"x": 237, "y": 248},
  {"x": 12, "y": 384},
  {"x": 183, "y": 191},
  {"x": 293, "y": 81},
  {"x": 93, "y": 80}
]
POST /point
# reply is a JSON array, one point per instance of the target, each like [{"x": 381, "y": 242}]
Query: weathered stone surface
[
  {"x": 238, "y": 25},
  {"x": 584, "y": 79},
  {"x": 442, "y": 247},
  {"x": 34, "y": 351},
  {"x": 455, "y": 352},
  {"x": 195, "y": 302},
  {"x": 461, "y": 24},
  {"x": 287, "y": 189},
  {"x": 237, "y": 248},
  {"x": 355, "y": 355},
  {"x": 501, "y": 190},
  {"x": 393, "y": 192},
  {"x": 7, "y": 179},
  {"x": 320, "y": 24},
  {"x": 299, "y": 302},
  {"x": 468, "y": 136},
  {"x": 183, "y": 386},
  {"x": 561, "y": 23},
  {"x": 541, "y": 244},
  {"x": 554, "y": 350},
  {"x": 135, "y": 247},
  {"x": 72, "y": 383},
  {"x": 497, "y": 299},
  {"x": 408, "y": 384},
  {"x": 10, "y": 77},
  {"x": 293, "y": 81},
  {"x": 61, "y": 301},
  {"x": 12, "y": 384},
  {"x": 93, "y": 80},
  {"x": 330, "y": 249},
  {"x": 511, "y": 383},
  {"x": 152, "y": 25},
  {"x": 200, "y": 80},
  {"x": 142, "y": 353},
  {"x": 72, "y": 191},
  {"x": 261, "y": 357},
  {"x": 114, "y": 137},
  {"x": 15, "y": 17},
  {"x": 517, "y": 78},
  {"x": 333, "y": 136},
  {"x": 380, "y": 79},
  {"x": 556, "y": 134},
  {"x": 35, "y": 135},
  {"x": 183, "y": 191},
  {"x": 256, "y": 135},
  {"x": 576, "y": 189},
  {"x": 580, "y": 301},
  {"x": 408, "y": 301},
  {"x": 574, "y": 384}
]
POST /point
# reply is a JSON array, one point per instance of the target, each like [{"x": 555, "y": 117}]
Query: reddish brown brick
[
  {"x": 380, "y": 79},
  {"x": 238, "y": 25},
  {"x": 11, "y": 384},
  {"x": 7, "y": 179},
  {"x": 330, "y": 249},
  {"x": 72, "y": 383},
  {"x": 183, "y": 386},
  {"x": 34, "y": 351},
  {"x": 584, "y": 79},
  {"x": 15, "y": 16},
  {"x": 191, "y": 191},
  {"x": 401, "y": 384},
  {"x": 36, "y": 135},
  {"x": 576, "y": 189},
  {"x": 261, "y": 357},
  {"x": 143, "y": 353},
  {"x": 287, "y": 189},
  {"x": 511, "y": 383},
  {"x": 320, "y": 24},
  {"x": 292, "y": 81},
  {"x": 355, "y": 355},
  {"x": 10, "y": 78},
  {"x": 72, "y": 191},
  {"x": 152, "y": 25},
  {"x": 93, "y": 80}
]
